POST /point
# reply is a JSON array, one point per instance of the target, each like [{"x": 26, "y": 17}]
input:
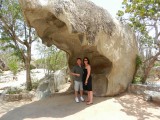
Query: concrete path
[{"x": 63, "y": 107}]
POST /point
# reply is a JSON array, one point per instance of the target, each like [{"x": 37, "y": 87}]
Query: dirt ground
[{"x": 63, "y": 107}]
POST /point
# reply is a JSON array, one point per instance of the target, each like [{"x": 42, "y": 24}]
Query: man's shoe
[
  {"x": 82, "y": 99},
  {"x": 77, "y": 100}
]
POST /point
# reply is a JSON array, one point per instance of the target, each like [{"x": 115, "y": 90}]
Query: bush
[
  {"x": 14, "y": 91},
  {"x": 137, "y": 80},
  {"x": 138, "y": 61},
  {"x": 157, "y": 64},
  {"x": 13, "y": 66}
]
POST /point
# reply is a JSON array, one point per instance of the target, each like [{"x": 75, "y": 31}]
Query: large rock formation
[{"x": 81, "y": 28}]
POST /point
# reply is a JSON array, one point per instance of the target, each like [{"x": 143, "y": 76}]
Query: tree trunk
[
  {"x": 28, "y": 76},
  {"x": 28, "y": 64},
  {"x": 150, "y": 65}
]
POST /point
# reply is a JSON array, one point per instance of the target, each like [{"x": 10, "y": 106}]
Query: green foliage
[
  {"x": 157, "y": 64},
  {"x": 11, "y": 26},
  {"x": 16, "y": 35},
  {"x": 52, "y": 58},
  {"x": 53, "y": 62},
  {"x": 137, "y": 80},
  {"x": 142, "y": 15},
  {"x": 144, "y": 18},
  {"x": 14, "y": 91},
  {"x": 138, "y": 61},
  {"x": 13, "y": 66}
]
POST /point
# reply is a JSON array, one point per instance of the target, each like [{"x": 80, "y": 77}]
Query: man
[{"x": 77, "y": 72}]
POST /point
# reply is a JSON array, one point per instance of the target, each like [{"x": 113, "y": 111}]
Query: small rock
[{"x": 153, "y": 95}]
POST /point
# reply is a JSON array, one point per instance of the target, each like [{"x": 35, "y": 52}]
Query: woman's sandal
[{"x": 89, "y": 103}]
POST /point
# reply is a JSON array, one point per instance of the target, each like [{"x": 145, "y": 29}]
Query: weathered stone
[
  {"x": 137, "y": 88},
  {"x": 147, "y": 97},
  {"x": 152, "y": 95},
  {"x": 51, "y": 84},
  {"x": 81, "y": 28},
  {"x": 12, "y": 97},
  {"x": 11, "y": 94},
  {"x": 60, "y": 79},
  {"x": 27, "y": 96},
  {"x": 43, "y": 89},
  {"x": 140, "y": 88}
]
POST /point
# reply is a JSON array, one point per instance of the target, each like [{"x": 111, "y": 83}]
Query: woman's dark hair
[{"x": 87, "y": 60}]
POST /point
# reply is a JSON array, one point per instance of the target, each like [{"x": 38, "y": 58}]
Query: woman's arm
[{"x": 88, "y": 73}]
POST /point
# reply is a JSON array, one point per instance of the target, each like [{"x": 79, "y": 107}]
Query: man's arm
[{"x": 73, "y": 72}]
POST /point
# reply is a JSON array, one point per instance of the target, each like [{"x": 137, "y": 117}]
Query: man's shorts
[{"x": 78, "y": 85}]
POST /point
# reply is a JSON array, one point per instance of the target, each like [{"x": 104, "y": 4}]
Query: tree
[
  {"x": 51, "y": 59},
  {"x": 144, "y": 17},
  {"x": 16, "y": 35}
]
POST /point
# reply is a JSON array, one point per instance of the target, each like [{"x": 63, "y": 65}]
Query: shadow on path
[
  {"x": 134, "y": 105},
  {"x": 64, "y": 106},
  {"x": 58, "y": 106}
]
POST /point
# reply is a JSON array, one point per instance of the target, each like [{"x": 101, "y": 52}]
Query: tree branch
[
  {"x": 30, "y": 36},
  {"x": 11, "y": 32},
  {"x": 155, "y": 56}
]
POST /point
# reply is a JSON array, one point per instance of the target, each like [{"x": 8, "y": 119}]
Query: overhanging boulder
[{"x": 81, "y": 28}]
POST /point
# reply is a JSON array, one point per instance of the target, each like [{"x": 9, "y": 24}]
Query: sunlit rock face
[{"x": 81, "y": 28}]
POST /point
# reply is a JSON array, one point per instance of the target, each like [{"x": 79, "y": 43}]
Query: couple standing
[{"x": 83, "y": 80}]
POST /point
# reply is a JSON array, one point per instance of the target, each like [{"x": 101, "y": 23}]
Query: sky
[{"x": 112, "y": 6}]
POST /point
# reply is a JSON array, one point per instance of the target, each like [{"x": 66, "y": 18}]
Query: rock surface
[
  {"x": 83, "y": 29},
  {"x": 149, "y": 92},
  {"x": 152, "y": 95},
  {"x": 140, "y": 88},
  {"x": 51, "y": 84}
]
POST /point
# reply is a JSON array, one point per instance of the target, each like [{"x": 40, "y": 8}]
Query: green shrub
[
  {"x": 157, "y": 64},
  {"x": 13, "y": 66},
  {"x": 14, "y": 91},
  {"x": 137, "y": 80},
  {"x": 138, "y": 61}
]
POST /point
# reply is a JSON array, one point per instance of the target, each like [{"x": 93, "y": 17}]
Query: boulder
[
  {"x": 60, "y": 78},
  {"x": 81, "y": 28},
  {"x": 152, "y": 96},
  {"x": 51, "y": 84},
  {"x": 43, "y": 89}
]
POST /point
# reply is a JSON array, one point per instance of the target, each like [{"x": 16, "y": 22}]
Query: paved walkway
[{"x": 63, "y": 107}]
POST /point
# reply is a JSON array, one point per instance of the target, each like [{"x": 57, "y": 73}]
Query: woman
[{"x": 87, "y": 80}]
